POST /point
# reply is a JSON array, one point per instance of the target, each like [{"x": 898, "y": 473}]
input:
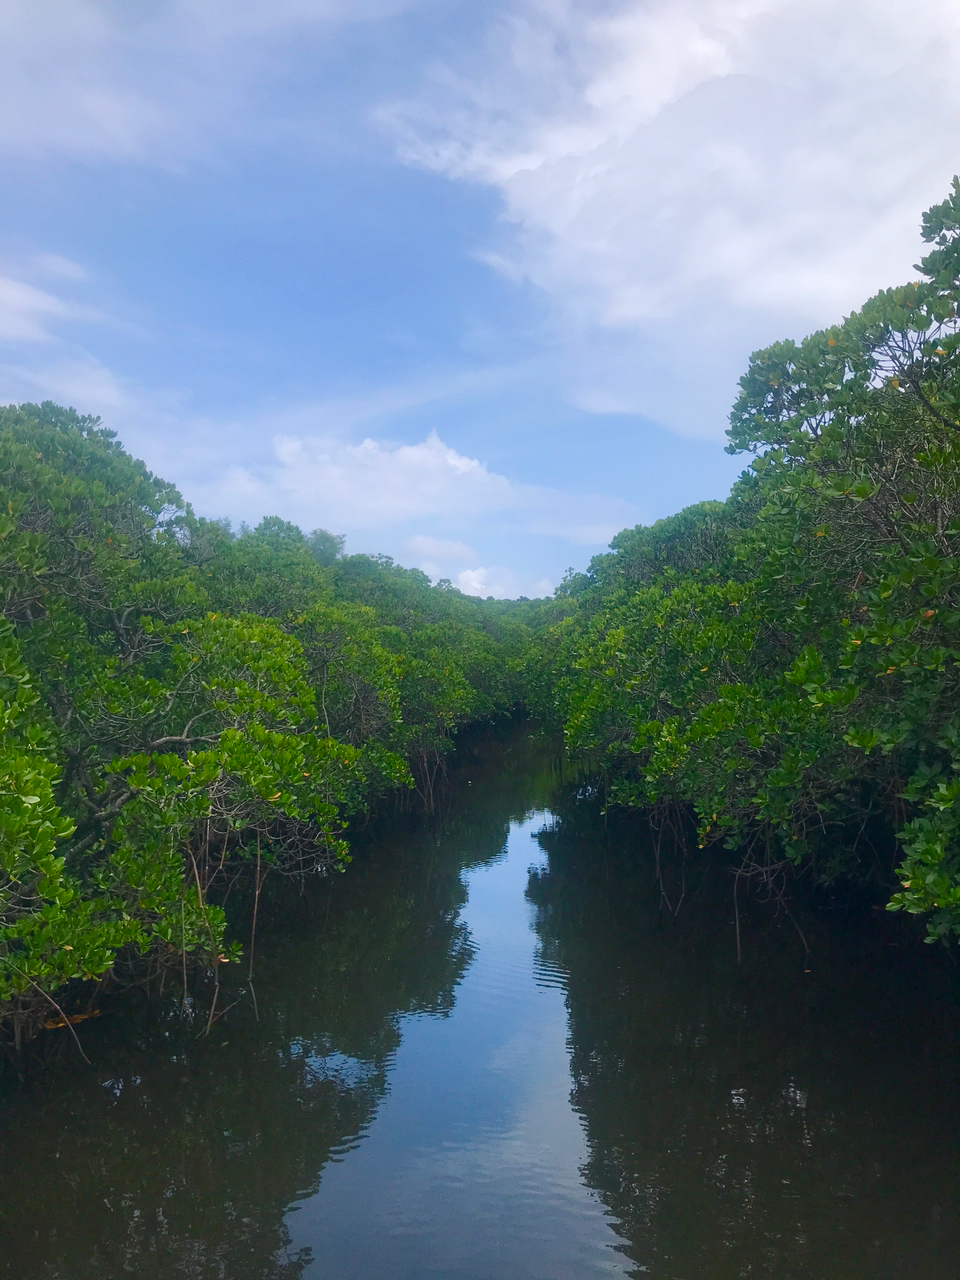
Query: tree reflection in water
[
  {"x": 741, "y": 1121},
  {"x": 173, "y": 1156},
  {"x": 753, "y": 1120}
]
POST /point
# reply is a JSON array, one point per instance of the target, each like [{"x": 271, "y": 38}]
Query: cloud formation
[
  {"x": 383, "y": 487},
  {"x": 445, "y": 558},
  {"x": 27, "y": 313},
  {"x": 685, "y": 172},
  {"x": 679, "y": 181},
  {"x": 373, "y": 485},
  {"x": 150, "y": 82},
  {"x": 425, "y": 503}
]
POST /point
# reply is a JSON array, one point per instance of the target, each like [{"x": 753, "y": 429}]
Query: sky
[{"x": 471, "y": 284}]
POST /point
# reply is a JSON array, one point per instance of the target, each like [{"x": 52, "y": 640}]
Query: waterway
[{"x": 489, "y": 1051}]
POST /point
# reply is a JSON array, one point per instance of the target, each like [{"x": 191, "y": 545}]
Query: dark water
[{"x": 470, "y": 1070}]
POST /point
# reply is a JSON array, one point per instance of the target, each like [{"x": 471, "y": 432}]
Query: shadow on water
[
  {"x": 173, "y": 1156},
  {"x": 786, "y": 1117}
]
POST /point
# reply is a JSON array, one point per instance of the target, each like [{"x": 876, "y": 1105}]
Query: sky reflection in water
[
  {"x": 466, "y": 1071},
  {"x": 472, "y": 1168}
]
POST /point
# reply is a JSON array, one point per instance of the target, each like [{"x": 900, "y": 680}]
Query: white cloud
[
  {"x": 420, "y": 502},
  {"x": 150, "y": 82},
  {"x": 372, "y": 406},
  {"x": 376, "y": 485},
  {"x": 682, "y": 179},
  {"x": 60, "y": 268},
  {"x": 26, "y": 311},
  {"x": 371, "y": 484},
  {"x": 475, "y": 582},
  {"x": 81, "y": 381},
  {"x": 443, "y": 558},
  {"x": 501, "y": 582},
  {"x": 688, "y": 178}
]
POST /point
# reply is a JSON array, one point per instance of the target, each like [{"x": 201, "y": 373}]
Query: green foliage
[
  {"x": 325, "y": 547},
  {"x": 785, "y": 664},
  {"x": 175, "y": 699}
]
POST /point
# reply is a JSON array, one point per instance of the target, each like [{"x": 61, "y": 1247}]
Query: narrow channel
[
  {"x": 487, "y": 1052},
  {"x": 472, "y": 1167}
]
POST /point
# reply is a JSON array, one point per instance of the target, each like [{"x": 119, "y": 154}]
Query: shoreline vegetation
[{"x": 774, "y": 676}]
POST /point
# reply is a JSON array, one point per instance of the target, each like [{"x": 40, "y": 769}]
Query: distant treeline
[{"x": 778, "y": 672}]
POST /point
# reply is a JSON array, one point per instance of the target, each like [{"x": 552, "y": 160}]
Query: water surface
[{"x": 488, "y": 1051}]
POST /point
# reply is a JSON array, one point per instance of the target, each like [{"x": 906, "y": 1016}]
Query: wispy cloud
[
  {"x": 687, "y": 173},
  {"x": 151, "y": 83},
  {"x": 679, "y": 181},
  {"x": 76, "y": 379},
  {"x": 27, "y": 313},
  {"x": 57, "y": 267}
]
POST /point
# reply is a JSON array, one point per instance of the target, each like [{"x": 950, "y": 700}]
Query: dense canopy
[
  {"x": 784, "y": 665},
  {"x": 777, "y": 672},
  {"x": 177, "y": 699}
]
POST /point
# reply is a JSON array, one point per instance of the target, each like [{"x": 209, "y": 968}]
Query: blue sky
[{"x": 470, "y": 283}]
